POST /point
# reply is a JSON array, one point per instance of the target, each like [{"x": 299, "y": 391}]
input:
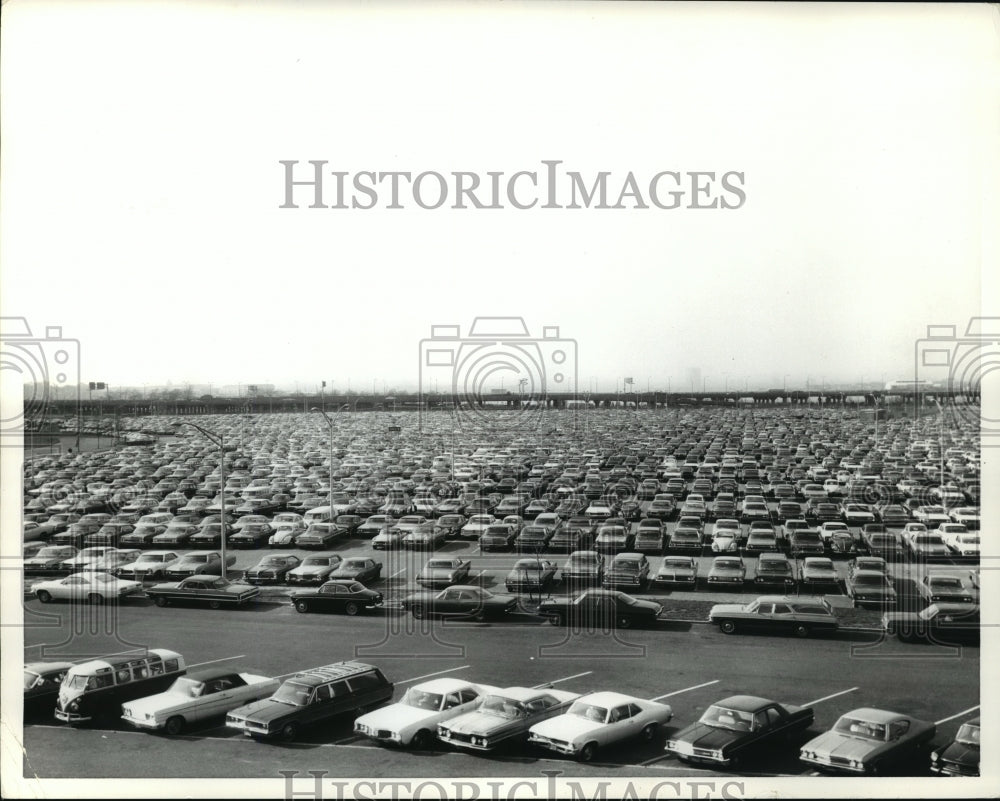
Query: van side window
[
  {"x": 171, "y": 665},
  {"x": 99, "y": 681},
  {"x": 123, "y": 676},
  {"x": 339, "y": 689},
  {"x": 364, "y": 682}
]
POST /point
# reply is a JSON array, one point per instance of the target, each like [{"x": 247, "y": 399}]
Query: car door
[
  {"x": 215, "y": 699},
  {"x": 71, "y": 588},
  {"x": 622, "y": 724},
  {"x": 448, "y": 602}
]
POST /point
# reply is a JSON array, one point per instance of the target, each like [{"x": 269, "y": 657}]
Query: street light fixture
[
  {"x": 329, "y": 422},
  {"x": 216, "y": 439}
]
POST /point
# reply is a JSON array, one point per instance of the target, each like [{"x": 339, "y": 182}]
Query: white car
[
  {"x": 826, "y": 530},
  {"x": 477, "y": 526},
  {"x": 725, "y": 540},
  {"x": 115, "y": 558},
  {"x": 151, "y": 564},
  {"x": 966, "y": 515},
  {"x": 931, "y": 515},
  {"x": 598, "y": 720},
  {"x": 413, "y": 721},
  {"x": 284, "y": 535},
  {"x": 857, "y": 514},
  {"x": 88, "y": 585},
  {"x": 197, "y": 696},
  {"x": 959, "y": 539},
  {"x": 86, "y": 558}
]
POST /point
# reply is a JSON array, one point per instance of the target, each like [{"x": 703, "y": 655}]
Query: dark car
[
  {"x": 650, "y": 537},
  {"x": 572, "y": 537},
  {"x": 601, "y": 609},
  {"x": 374, "y": 525},
  {"x": 346, "y": 596},
  {"x": 423, "y": 537},
  {"x": 806, "y": 543},
  {"x": 798, "y": 615},
  {"x": 41, "y": 686},
  {"x": 870, "y": 588},
  {"x": 348, "y": 524},
  {"x": 311, "y": 697},
  {"x": 530, "y": 575},
  {"x": 317, "y": 535},
  {"x": 214, "y": 591},
  {"x": 735, "y": 729},
  {"x": 583, "y": 567},
  {"x": 961, "y": 756},
  {"x": 497, "y": 537},
  {"x": 272, "y": 568},
  {"x": 627, "y": 570},
  {"x": 533, "y": 539},
  {"x": 459, "y": 600},
  {"x": 450, "y": 525},
  {"x": 251, "y": 535},
  {"x": 868, "y": 741},
  {"x": 363, "y": 569},
  {"x": 774, "y": 568},
  {"x": 885, "y": 544},
  {"x": 937, "y": 623}
]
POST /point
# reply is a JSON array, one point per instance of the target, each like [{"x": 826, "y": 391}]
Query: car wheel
[
  {"x": 289, "y": 731},
  {"x": 586, "y": 754},
  {"x": 419, "y": 612},
  {"x": 159, "y": 600},
  {"x": 175, "y": 725},
  {"x": 351, "y": 608},
  {"x": 801, "y": 630},
  {"x": 214, "y": 604},
  {"x": 727, "y": 627},
  {"x": 421, "y": 740},
  {"x": 649, "y": 732},
  {"x": 557, "y": 619},
  {"x": 95, "y": 598},
  {"x": 44, "y": 597},
  {"x": 301, "y": 606}
]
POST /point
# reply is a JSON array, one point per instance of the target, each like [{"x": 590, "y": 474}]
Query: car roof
[
  {"x": 875, "y": 715},
  {"x": 210, "y": 673},
  {"x": 338, "y": 670},
  {"x": 744, "y": 703},
  {"x": 445, "y": 685},
  {"x": 108, "y": 662},
  {"x": 608, "y": 698},
  {"x": 523, "y": 693}
]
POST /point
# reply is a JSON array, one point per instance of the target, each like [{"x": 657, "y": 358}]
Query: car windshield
[
  {"x": 771, "y": 564},
  {"x": 723, "y": 718},
  {"x": 440, "y": 563},
  {"x": 727, "y": 564},
  {"x": 529, "y": 564},
  {"x": 317, "y": 560},
  {"x": 969, "y": 539},
  {"x": 628, "y": 600},
  {"x": 422, "y": 700},
  {"x": 186, "y": 686},
  {"x": 927, "y": 539},
  {"x": 272, "y": 561},
  {"x": 676, "y": 563},
  {"x": 293, "y": 693},
  {"x": 354, "y": 564},
  {"x": 968, "y": 734},
  {"x": 946, "y": 582},
  {"x": 872, "y": 581},
  {"x": 151, "y": 557},
  {"x": 861, "y": 728},
  {"x": 503, "y": 707},
  {"x": 47, "y": 552},
  {"x": 581, "y": 709}
]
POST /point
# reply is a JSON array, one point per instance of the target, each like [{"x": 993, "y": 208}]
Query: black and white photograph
[{"x": 498, "y": 400}]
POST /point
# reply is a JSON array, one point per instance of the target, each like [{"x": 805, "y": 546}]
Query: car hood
[
  {"x": 960, "y": 753},
  {"x": 566, "y": 727},
  {"x": 266, "y": 711},
  {"x": 43, "y": 560},
  {"x": 167, "y": 587},
  {"x": 836, "y": 744},
  {"x": 725, "y": 609},
  {"x": 308, "y": 570},
  {"x": 480, "y": 723},
  {"x": 161, "y": 702},
  {"x": 395, "y": 717},
  {"x": 702, "y": 735}
]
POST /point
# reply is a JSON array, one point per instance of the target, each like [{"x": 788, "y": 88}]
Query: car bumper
[
  {"x": 71, "y": 717},
  {"x": 558, "y": 746},
  {"x": 142, "y": 723},
  {"x": 829, "y": 763}
]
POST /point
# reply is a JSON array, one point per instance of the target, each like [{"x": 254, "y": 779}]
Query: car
[
  {"x": 893, "y": 515},
  {"x": 359, "y": 568},
  {"x": 884, "y": 544},
  {"x": 176, "y": 533},
  {"x": 533, "y": 538},
  {"x": 209, "y": 535},
  {"x": 960, "y": 757},
  {"x": 946, "y": 588},
  {"x": 857, "y": 514},
  {"x": 613, "y": 538},
  {"x": 320, "y": 534},
  {"x": 530, "y": 575},
  {"x": 960, "y": 540},
  {"x": 413, "y": 721},
  {"x": 76, "y": 534},
  {"x": 598, "y": 720},
  {"x": 939, "y": 622},
  {"x": 677, "y": 570},
  {"x": 537, "y": 507},
  {"x": 48, "y": 559},
  {"x": 806, "y": 542},
  {"x": 754, "y": 510},
  {"x": 198, "y": 563},
  {"x": 198, "y": 696},
  {"x": 735, "y": 730},
  {"x": 41, "y": 686},
  {"x": 931, "y": 515},
  {"x": 504, "y": 716},
  {"x": 311, "y": 697},
  {"x": 798, "y": 615},
  {"x": 108, "y": 534},
  {"x": 774, "y": 568},
  {"x": 423, "y": 537},
  {"x": 791, "y": 526},
  {"x": 662, "y": 508},
  {"x": 870, "y": 587},
  {"x": 252, "y": 535},
  {"x": 314, "y": 569},
  {"x": 151, "y": 565},
  {"x": 968, "y": 516},
  {"x": 142, "y": 534},
  {"x": 375, "y": 524},
  {"x": 831, "y": 527},
  {"x": 599, "y": 510},
  {"x": 760, "y": 540},
  {"x": 627, "y": 570},
  {"x": 685, "y": 540},
  {"x": 444, "y": 571},
  {"x": 114, "y": 559},
  {"x": 450, "y": 524},
  {"x": 926, "y": 545},
  {"x": 89, "y": 586},
  {"x": 602, "y": 609},
  {"x": 727, "y": 571},
  {"x": 497, "y": 538},
  {"x": 818, "y": 570},
  {"x": 477, "y": 525},
  {"x": 339, "y": 595},
  {"x": 842, "y": 543},
  {"x": 583, "y": 567},
  {"x": 272, "y": 568},
  {"x": 823, "y": 512},
  {"x": 868, "y": 742},
  {"x": 214, "y": 591},
  {"x": 459, "y": 600}
]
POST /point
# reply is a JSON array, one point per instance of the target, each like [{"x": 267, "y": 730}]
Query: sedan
[
  {"x": 450, "y": 525},
  {"x": 90, "y": 586},
  {"x": 272, "y": 569},
  {"x": 497, "y": 538},
  {"x": 504, "y": 716},
  {"x": 151, "y": 564},
  {"x": 818, "y": 570},
  {"x": 212, "y": 590},
  {"x": 627, "y": 570},
  {"x": 599, "y": 720},
  {"x": 960, "y": 757},
  {"x": 939, "y": 622},
  {"x": 177, "y": 533},
  {"x": 314, "y": 569},
  {"x": 459, "y": 601},
  {"x": 727, "y": 571},
  {"x": 732, "y": 730},
  {"x": 532, "y": 539},
  {"x": 612, "y": 538},
  {"x": 941, "y": 588},
  {"x": 365, "y": 570},
  {"x": 476, "y": 526},
  {"x": 677, "y": 570},
  {"x": 318, "y": 535},
  {"x": 868, "y": 741},
  {"x": 346, "y": 596},
  {"x": 48, "y": 559},
  {"x": 530, "y": 575},
  {"x": 870, "y": 587},
  {"x": 444, "y": 572},
  {"x": 600, "y": 609},
  {"x": 423, "y": 537},
  {"x": 798, "y": 615},
  {"x": 583, "y": 567}
]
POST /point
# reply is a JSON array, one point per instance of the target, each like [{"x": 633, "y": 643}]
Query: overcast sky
[{"x": 142, "y": 187}]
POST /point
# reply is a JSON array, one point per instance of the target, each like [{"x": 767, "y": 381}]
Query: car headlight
[
  {"x": 74, "y": 705},
  {"x": 935, "y": 756}
]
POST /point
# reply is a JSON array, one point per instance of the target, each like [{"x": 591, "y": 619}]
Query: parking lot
[{"x": 604, "y": 457}]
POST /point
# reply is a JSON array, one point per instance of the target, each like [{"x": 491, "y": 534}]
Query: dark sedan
[
  {"x": 530, "y": 575},
  {"x": 961, "y": 756},
  {"x": 272, "y": 568},
  {"x": 348, "y": 597},
  {"x": 736, "y": 728},
  {"x": 212, "y": 590},
  {"x": 600, "y": 609},
  {"x": 459, "y": 601},
  {"x": 365, "y": 570}
]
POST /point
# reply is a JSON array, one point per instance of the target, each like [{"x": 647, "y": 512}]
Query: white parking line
[
  {"x": 559, "y": 681},
  {"x": 397, "y": 573},
  {"x": 437, "y": 673},
  {"x": 686, "y": 689},
  {"x": 963, "y": 712},
  {"x": 213, "y": 661},
  {"x": 828, "y": 697}
]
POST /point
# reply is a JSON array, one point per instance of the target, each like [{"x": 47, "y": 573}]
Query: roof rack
[{"x": 338, "y": 670}]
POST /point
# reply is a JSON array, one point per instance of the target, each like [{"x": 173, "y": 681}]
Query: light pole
[
  {"x": 215, "y": 439},
  {"x": 329, "y": 422},
  {"x": 944, "y": 500}
]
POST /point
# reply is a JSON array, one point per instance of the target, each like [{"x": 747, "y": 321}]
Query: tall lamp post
[
  {"x": 216, "y": 439},
  {"x": 329, "y": 422}
]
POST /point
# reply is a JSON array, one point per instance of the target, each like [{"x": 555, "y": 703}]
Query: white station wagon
[{"x": 413, "y": 721}]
